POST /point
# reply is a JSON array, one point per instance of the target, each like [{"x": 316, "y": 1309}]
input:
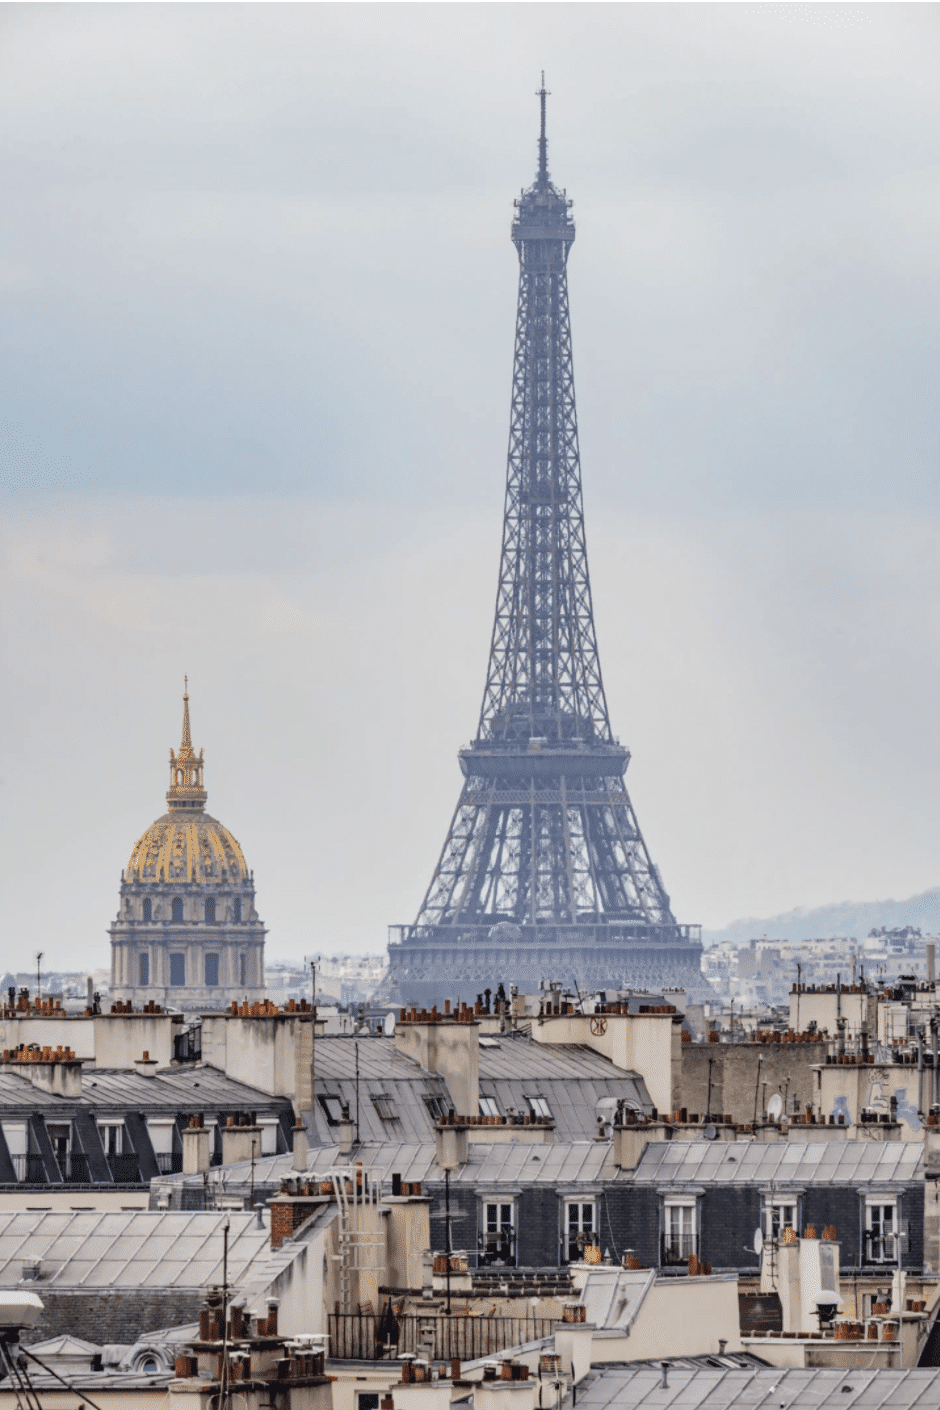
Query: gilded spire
[
  {"x": 186, "y": 788},
  {"x": 186, "y": 747}
]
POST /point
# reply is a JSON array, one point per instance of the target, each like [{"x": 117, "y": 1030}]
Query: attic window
[
  {"x": 538, "y": 1106},
  {"x": 385, "y": 1106},
  {"x": 436, "y": 1105},
  {"x": 488, "y": 1107},
  {"x": 333, "y": 1107}
]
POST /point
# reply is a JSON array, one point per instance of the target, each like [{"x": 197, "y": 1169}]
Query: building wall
[
  {"x": 739, "y": 1072},
  {"x": 629, "y": 1219}
]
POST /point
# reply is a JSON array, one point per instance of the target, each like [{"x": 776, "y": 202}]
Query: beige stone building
[{"x": 187, "y": 934}]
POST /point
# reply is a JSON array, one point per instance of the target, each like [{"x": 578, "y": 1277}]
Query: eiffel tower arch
[{"x": 544, "y": 873}]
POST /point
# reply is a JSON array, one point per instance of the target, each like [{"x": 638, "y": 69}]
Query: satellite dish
[
  {"x": 775, "y": 1106},
  {"x": 758, "y": 1241},
  {"x": 710, "y": 1133},
  {"x": 389, "y": 1024}
]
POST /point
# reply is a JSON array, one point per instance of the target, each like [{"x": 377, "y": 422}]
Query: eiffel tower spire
[{"x": 544, "y": 873}]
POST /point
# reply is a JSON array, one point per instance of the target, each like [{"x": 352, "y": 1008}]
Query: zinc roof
[
  {"x": 572, "y": 1079},
  {"x": 129, "y": 1248},
  {"x": 173, "y": 1089},
  {"x": 511, "y": 1164},
  {"x": 803, "y": 1162},
  {"x": 723, "y": 1384}
]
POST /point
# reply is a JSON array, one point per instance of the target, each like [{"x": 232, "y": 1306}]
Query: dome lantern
[{"x": 186, "y": 785}]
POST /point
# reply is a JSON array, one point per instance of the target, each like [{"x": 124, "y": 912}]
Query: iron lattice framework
[{"x": 544, "y": 873}]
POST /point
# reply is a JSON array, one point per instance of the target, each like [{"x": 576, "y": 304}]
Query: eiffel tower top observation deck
[{"x": 544, "y": 872}]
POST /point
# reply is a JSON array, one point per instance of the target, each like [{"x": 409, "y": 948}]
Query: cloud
[{"x": 256, "y": 318}]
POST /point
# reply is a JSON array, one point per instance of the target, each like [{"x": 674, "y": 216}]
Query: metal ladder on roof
[{"x": 361, "y": 1247}]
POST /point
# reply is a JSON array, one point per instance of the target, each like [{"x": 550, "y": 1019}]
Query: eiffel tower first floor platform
[{"x": 431, "y": 963}]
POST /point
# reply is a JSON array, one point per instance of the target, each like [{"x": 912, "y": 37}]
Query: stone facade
[{"x": 187, "y": 934}]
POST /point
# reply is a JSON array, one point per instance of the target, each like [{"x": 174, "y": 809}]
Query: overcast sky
[{"x": 257, "y": 297}]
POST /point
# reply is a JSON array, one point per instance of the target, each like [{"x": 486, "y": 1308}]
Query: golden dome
[{"x": 186, "y": 845}]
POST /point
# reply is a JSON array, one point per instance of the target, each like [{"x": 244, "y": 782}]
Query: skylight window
[
  {"x": 385, "y": 1106},
  {"x": 488, "y": 1107},
  {"x": 538, "y": 1106},
  {"x": 333, "y": 1107}
]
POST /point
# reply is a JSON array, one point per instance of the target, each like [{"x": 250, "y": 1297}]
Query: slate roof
[
  {"x": 799, "y": 1162},
  {"x": 722, "y": 1384}
]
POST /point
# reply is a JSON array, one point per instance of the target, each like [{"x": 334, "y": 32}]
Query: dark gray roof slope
[
  {"x": 720, "y": 1387},
  {"x": 572, "y": 1080},
  {"x": 802, "y": 1162},
  {"x": 172, "y": 1089}
]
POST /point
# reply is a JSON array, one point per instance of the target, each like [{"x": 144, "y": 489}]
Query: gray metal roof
[
  {"x": 592, "y": 1162},
  {"x": 797, "y": 1162},
  {"x": 512, "y": 1056},
  {"x": 129, "y": 1249},
  {"x": 574, "y": 1162},
  {"x": 171, "y": 1089},
  {"x": 724, "y": 1384},
  {"x": 572, "y": 1079}
]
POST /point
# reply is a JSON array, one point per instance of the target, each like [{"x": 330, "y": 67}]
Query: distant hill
[{"x": 842, "y": 918}]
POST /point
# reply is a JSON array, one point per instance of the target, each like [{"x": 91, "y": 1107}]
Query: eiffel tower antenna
[{"x": 544, "y": 874}]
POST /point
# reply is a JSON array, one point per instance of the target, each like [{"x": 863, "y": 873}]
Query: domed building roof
[
  {"x": 186, "y": 844},
  {"x": 176, "y": 848}
]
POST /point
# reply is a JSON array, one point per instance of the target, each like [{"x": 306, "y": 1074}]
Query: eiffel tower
[{"x": 544, "y": 874}]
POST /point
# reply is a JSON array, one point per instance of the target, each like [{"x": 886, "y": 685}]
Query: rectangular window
[
  {"x": 333, "y": 1107},
  {"x": 212, "y": 970},
  {"x": 779, "y": 1215},
  {"x": 881, "y": 1231},
  {"x": 680, "y": 1234},
  {"x": 498, "y": 1238},
  {"x": 177, "y": 971},
  {"x": 538, "y": 1106},
  {"x": 25, "y": 1166},
  {"x": 242, "y": 968},
  {"x": 579, "y": 1228},
  {"x": 488, "y": 1107},
  {"x": 436, "y": 1105},
  {"x": 112, "y": 1136},
  {"x": 385, "y": 1106},
  {"x": 143, "y": 969}
]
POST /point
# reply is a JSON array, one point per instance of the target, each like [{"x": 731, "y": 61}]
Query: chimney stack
[
  {"x": 196, "y": 1146},
  {"x": 301, "y": 1146}
]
